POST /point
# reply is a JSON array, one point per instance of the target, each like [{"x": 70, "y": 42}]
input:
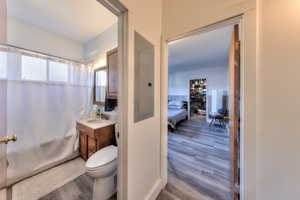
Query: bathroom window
[
  {"x": 58, "y": 71},
  {"x": 34, "y": 68},
  {"x": 3, "y": 65},
  {"x": 100, "y": 86}
]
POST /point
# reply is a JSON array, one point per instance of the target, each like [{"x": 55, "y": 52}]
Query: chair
[{"x": 219, "y": 117}]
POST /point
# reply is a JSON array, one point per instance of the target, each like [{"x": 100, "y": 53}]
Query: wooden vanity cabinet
[
  {"x": 112, "y": 74},
  {"x": 92, "y": 140}
]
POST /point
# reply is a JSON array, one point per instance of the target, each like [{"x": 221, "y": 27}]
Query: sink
[
  {"x": 95, "y": 120},
  {"x": 95, "y": 123}
]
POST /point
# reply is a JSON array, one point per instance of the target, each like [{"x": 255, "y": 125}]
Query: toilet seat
[{"x": 102, "y": 158}]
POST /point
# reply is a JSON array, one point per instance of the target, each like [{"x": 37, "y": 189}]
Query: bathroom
[{"x": 60, "y": 70}]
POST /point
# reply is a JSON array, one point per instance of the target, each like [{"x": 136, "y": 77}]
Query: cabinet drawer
[{"x": 86, "y": 130}]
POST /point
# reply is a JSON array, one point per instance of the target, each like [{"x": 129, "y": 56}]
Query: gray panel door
[{"x": 144, "y": 78}]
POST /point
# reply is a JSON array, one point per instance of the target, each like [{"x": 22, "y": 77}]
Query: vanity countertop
[{"x": 96, "y": 124}]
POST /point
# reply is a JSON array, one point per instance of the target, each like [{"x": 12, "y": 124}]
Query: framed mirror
[{"x": 100, "y": 85}]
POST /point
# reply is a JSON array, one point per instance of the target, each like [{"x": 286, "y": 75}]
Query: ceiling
[
  {"x": 79, "y": 20},
  {"x": 201, "y": 49}
]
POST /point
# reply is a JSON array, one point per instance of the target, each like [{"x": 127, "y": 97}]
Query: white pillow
[{"x": 178, "y": 104}]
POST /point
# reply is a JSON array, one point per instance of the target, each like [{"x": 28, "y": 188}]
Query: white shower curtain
[{"x": 44, "y": 100}]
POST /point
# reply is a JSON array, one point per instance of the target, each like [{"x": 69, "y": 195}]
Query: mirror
[{"x": 100, "y": 85}]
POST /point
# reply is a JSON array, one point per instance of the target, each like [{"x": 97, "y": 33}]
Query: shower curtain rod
[{"x": 38, "y": 52}]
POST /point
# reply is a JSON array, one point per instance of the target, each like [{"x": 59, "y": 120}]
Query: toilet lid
[{"x": 102, "y": 157}]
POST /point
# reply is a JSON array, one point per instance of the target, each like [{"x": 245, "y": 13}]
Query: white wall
[
  {"x": 97, "y": 48},
  {"x": 196, "y": 14},
  {"x": 3, "y": 21},
  {"x": 24, "y": 35},
  {"x": 179, "y": 78},
  {"x": 27, "y": 36},
  {"x": 199, "y": 13},
  {"x": 216, "y": 75},
  {"x": 278, "y": 133},
  {"x": 143, "y": 156}
]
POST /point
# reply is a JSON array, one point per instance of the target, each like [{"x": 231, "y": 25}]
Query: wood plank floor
[
  {"x": 79, "y": 189},
  {"x": 199, "y": 162},
  {"x": 199, "y": 167}
]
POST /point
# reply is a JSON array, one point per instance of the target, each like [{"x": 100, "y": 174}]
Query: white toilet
[{"x": 102, "y": 167}]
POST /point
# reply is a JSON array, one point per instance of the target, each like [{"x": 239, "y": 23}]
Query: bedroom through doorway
[{"x": 203, "y": 115}]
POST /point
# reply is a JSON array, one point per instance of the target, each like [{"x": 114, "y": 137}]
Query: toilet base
[{"x": 104, "y": 188}]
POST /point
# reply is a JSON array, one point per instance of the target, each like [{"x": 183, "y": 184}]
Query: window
[
  {"x": 27, "y": 66},
  {"x": 58, "y": 71},
  {"x": 100, "y": 85},
  {"x": 101, "y": 78},
  {"x": 34, "y": 68},
  {"x": 3, "y": 64}
]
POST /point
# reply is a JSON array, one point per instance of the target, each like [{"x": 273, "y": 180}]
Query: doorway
[
  {"x": 203, "y": 155},
  {"x": 198, "y": 88},
  {"x": 66, "y": 76}
]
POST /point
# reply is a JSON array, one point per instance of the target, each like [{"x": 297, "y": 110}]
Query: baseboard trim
[
  {"x": 3, "y": 194},
  {"x": 155, "y": 190}
]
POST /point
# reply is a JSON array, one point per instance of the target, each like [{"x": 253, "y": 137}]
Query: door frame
[
  {"x": 118, "y": 9},
  {"x": 245, "y": 61},
  {"x": 3, "y": 38}
]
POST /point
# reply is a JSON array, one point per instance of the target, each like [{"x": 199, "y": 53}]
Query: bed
[{"x": 177, "y": 112}]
